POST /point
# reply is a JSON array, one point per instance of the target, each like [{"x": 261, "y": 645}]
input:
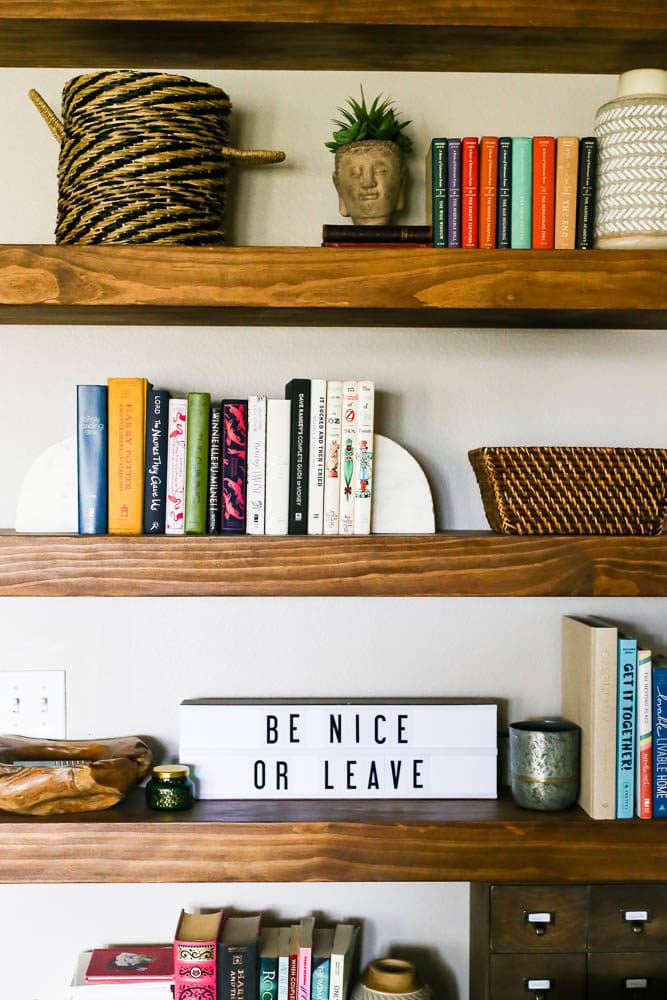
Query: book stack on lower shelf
[{"x": 616, "y": 691}]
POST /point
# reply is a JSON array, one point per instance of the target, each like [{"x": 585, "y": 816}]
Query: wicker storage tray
[{"x": 573, "y": 491}]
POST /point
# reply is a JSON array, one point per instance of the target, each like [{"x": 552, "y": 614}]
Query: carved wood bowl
[{"x": 88, "y": 775}]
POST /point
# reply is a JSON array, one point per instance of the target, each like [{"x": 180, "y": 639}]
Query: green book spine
[
  {"x": 196, "y": 459},
  {"x": 268, "y": 977},
  {"x": 521, "y": 198},
  {"x": 437, "y": 191}
]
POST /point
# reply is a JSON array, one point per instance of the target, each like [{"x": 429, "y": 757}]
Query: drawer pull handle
[
  {"x": 539, "y": 987},
  {"x": 637, "y": 918},
  {"x": 539, "y": 921}
]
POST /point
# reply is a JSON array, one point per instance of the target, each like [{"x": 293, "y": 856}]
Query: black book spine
[
  {"x": 376, "y": 234},
  {"x": 155, "y": 480},
  {"x": 504, "y": 204},
  {"x": 234, "y": 454},
  {"x": 214, "y": 477},
  {"x": 298, "y": 392},
  {"x": 585, "y": 232}
]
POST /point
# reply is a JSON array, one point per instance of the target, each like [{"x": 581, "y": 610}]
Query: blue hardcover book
[
  {"x": 522, "y": 193},
  {"x": 504, "y": 203},
  {"x": 155, "y": 482},
  {"x": 321, "y": 963},
  {"x": 91, "y": 456},
  {"x": 626, "y": 722},
  {"x": 268, "y": 963},
  {"x": 453, "y": 192},
  {"x": 436, "y": 191},
  {"x": 660, "y": 738}
]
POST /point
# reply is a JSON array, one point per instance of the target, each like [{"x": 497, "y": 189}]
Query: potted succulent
[{"x": 369, "y": 173}]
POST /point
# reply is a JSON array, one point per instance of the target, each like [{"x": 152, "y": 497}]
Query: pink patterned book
[
  {"x": 131, "y": 963},
  {"x": 195, "y": 955},
  {"x": 305, "y": 958}
]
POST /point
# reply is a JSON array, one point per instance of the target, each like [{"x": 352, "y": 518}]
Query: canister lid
[
  {"x": 642, "y": 81},
  {"x": 171, "y": 771}
]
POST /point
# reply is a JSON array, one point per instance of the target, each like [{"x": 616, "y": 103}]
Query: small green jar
[{"x": 170, "y": 788}]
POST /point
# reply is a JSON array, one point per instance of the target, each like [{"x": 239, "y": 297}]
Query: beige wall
[{"x": 441, "y": 392}]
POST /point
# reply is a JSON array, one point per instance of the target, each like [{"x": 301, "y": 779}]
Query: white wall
[{"x": 442, "y": 392}]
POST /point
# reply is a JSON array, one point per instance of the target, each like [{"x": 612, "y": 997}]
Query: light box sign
[{"x": 327, "y": 749}]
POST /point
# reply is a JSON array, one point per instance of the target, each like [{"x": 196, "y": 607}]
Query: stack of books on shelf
[
  {"x": 220, "y": 957},
  {"x": 517, "y": 192},
  {"x": 616, "y": 691},
  {"x": 149, "y": 463}
]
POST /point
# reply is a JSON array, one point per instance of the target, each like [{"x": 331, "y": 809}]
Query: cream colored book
[
  {"x": 589, "y": 698},
  {"x": 565, "y": 212}
]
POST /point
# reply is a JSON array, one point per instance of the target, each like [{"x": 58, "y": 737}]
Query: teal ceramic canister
[
  {"x": 544, "y": 763},
  {"x": 170, "y": 788}
]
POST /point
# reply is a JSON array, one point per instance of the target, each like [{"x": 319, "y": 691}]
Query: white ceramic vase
[{"x": 390, "y": 979}]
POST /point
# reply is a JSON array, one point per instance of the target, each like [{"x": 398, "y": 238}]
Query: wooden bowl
[{"x": 85, "y": 775}]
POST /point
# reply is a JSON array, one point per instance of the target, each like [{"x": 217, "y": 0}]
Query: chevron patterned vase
[{"x": 631, "y": 204}]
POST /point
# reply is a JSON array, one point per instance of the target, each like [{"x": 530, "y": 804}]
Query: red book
[
  {"x": 195, "y": 954},
  {"x": 293, "y": 979},
  {"x": 131, "y": 963},
  {"x": 544, "y": 191},
  {"x": 488, "y": 191},
  {"x": 234, "y": 450},
  {"x": 469, "y": 193}
]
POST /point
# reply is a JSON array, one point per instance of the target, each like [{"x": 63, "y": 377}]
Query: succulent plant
[{"x": 377, "y": 122}]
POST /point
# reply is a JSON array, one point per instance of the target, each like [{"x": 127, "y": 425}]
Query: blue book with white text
[
  {"x": 660, "y": 738},
  {"x": 91, "y": 458},
  {"x": 626, "y": 722}
]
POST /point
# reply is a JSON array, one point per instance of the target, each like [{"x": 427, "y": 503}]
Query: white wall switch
[{"x": 32, "y": 703}]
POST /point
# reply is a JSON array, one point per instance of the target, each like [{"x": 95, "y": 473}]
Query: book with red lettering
[
  {"x": 469, "y": 193},
  {"x": 544, "y": 191},
  {"x": 234, "y": 451},
  {"x": 131, "y": 963},
  {"x": 195, "y": 955},
  {"x": 305, "y": 958},
  {"x": 488, "y": 191}
]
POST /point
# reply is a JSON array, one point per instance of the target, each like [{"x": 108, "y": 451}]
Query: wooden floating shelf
[
  {"x": 464, "y": 564},
  {"x": 330, "y": 841},
  {"x": 517, "y": 36},
  {"x": 324, "y": 286}
]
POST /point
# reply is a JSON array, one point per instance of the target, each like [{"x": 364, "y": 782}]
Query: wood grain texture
[
  {"x": 441, "y": 35},
  {"x": 332, "y": 841},
  {"x": 428, "y": 286},
  {"x": 464, "y": 564}
]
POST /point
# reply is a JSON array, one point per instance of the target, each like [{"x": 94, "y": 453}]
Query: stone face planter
[{"x": 369, "y": 177}]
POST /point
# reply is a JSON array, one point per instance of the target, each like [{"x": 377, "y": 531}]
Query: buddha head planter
[{"x": 369, "y": 173}]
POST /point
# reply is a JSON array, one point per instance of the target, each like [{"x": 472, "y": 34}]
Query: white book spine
[
  {"x": 256, "y": 498},
  {"x": 336, "y": 977},
  {"x": 277, "y": 466},
  {"x": 363, "y": 459},
  {"x": 283, "y": 977},
  {"x": 332, "y": 457},
  {"x": 348, "y": 448},
  {"x": 176, "y": 449},
  {"x": 318, "y": 406}
]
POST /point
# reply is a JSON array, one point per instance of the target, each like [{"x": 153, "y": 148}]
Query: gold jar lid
[{"x": 171, "y": 771}]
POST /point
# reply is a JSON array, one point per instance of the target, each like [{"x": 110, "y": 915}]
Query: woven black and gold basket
[
  {"x": 144, "y": 158},
  {"x": 573, "y": 491}
]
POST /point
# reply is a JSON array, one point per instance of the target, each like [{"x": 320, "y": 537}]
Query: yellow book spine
[{"x": 127, "y": 443}]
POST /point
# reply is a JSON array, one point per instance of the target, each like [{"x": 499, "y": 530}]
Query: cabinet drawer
[
  {"x": 628, "y": 918},
  {"x": 544, "y": 918},
  {"x": 520, "y": 977},
  {"x": 630, "y": 976}
]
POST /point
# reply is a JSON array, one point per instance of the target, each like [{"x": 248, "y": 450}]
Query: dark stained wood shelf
[
  {"x": 330, "y": 841},
  {"x": 463, "y": 564},
  {"x": 329, "y": 285},
  {"x": 568, "y": 36}
]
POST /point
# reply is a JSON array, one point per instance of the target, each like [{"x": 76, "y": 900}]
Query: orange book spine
[
  {"x": 469, "y": 193},
  {"x": 565, "y": 216},
  {"x": 488, "y": 191},
  {"x": 544, "y": 182},
  {"x": 126, "y": 444}
]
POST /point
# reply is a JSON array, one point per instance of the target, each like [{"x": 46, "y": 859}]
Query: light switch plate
[{"x": 32, "y": 703}]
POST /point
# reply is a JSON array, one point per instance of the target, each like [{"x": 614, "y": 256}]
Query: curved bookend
[
  {"x": 48, "y": 498},
  {"x": 402, "y": 500}
]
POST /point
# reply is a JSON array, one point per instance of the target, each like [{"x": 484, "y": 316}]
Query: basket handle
[{"x": 49, "y": 116}]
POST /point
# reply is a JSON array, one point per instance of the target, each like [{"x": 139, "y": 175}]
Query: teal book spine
[
  {"x": 319, "y": 989},
  {"x": 626, "y": 721},
  {"x": 268, "y": 977},
  {"x": 438, "y": 182},
  {"x": 522, "y": 193},
  {"x": 196, "y": 462}
]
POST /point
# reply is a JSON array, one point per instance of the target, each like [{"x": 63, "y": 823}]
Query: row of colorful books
[
  {"x": 517, "y": 192},
  {"x": 234, "y": 957},
  {"x": 616, "y": 691},
  {"x": 150, "y": 463}
]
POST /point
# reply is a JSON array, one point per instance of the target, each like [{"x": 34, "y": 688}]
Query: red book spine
[
  {"x": 488, "y": 191},
  {"x": 544, "y": 191},
  {"x": 194, "y": 967},
  {"x": 469, "y": 193},
  {"x": 234, "y": 442},
  {"x": 293, "y": 981}
]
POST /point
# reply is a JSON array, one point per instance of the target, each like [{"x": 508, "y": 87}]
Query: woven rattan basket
[
  {"x": 573, "y": 491},
  {"x": 144, "y": 158}
]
